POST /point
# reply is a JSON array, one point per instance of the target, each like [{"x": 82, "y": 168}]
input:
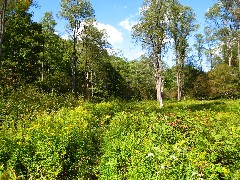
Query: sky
[{"x": 117, "y": 17}]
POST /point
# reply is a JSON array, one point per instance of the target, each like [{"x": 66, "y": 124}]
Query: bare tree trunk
[
  {"x": 42, "y": 71},
  {"x": 43, "y": 57},
  {"x": 86, "y": 74},
  {"x": 211, "y": 58},
  {"x": 91, "y": 83},
  {"x": 74, "y": 61},
  {"x": 179, "y": 86},
  {"x": 238, "y": 49},
  {"x": 178, "y": 66},
  {"x": 159, "y": 87},
  {"x": 230, "y": 58},
  {"x": 159, "y": 79},
  {"x": 2, "y": 24},
  {"x": 230, "y": 53}
]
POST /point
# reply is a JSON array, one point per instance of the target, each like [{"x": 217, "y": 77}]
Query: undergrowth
[{"x": 118, "y": 140}]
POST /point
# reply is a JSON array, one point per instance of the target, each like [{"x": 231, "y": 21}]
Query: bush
[
  {"x": 181, "y": 141},
  {"x": 119, "y": 140},
  {"x": 224, "y": 82}
]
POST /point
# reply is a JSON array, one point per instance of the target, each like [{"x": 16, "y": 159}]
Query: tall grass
[{"x": 62, "y": 138}]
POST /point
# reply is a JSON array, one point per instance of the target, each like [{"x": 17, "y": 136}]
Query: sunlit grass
[{"x": 122, "y": 140}]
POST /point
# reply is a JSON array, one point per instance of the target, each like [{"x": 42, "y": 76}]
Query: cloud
[
  {"x": 114, "y": 35},
  {"x": 135, "y": 53},
  {"x": 65, "y": 36},
  {"x": 127, "y": 24}
]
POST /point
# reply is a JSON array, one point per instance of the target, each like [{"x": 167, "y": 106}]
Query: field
[{"x": 120, "y": 140}]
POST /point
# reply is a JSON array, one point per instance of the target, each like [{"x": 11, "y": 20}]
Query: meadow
[{"x": 53, "y": 137}]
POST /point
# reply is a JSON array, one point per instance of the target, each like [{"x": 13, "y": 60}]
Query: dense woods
[
  {"x": 32, "y": 54},
  {"x": 70, "y": 109}
]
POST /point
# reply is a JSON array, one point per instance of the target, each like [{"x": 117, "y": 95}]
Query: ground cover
[{"x": 125, "y": 140}]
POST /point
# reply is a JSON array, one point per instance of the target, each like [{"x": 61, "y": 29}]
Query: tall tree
[
  {"x": 3, "y": 7},
  {"x": 182, "y": 24},
  {"x": 22, "y": 46},
  {"x": 210, "y": 46},
  {"x": 151, "y": 31},
  {"x": 199, "y": 47},
  {"x": 75, "y": 12},
  {"x": 94, "y": 44},
  {"x": 225, "y": 15},
  {"x": 48, "y": 24},
  {"x": 8, "y": 7}
]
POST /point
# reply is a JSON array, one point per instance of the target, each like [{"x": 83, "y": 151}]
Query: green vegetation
[
  {"x": 71, "y": 110},
  {"x": 119, "y": 140}
]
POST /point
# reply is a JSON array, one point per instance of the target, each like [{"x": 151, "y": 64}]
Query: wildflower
[
  {"x": 150, "y": 154},
  {"x": 173, "y": 157},
  {"x": 162, "y": 166}
]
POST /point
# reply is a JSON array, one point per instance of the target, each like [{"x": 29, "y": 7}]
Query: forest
[{"x": 72, "y": 109}]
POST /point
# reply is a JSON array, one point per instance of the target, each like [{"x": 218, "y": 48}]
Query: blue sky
[{"x": 117, "y": 17}]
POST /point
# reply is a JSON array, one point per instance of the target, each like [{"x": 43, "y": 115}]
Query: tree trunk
[
  {"x": 158, "y": 76},
  {"x": 211, "y": 58},
  {"x": 230, "y": 54},
  {"x": 178, "y": 66},
  {"x": 2, "y": 24},
  {"x": 159, "y": 87},
  {"x": 91, "y": 83},
  {"x": 74, "y": 61},
  {"x": 230, "y": 58},
  {"x": 42, "y": 71},
  {"x": 179, "y": 86},
  {"x": 238, "y": 49}
]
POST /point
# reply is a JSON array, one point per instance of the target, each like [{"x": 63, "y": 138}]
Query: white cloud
[
  {"x": 114, "y": 35},
  {"x": 65, "y": 36},
  {"x": 127, "y": 24},
  {"x": 134, "y": 54}
]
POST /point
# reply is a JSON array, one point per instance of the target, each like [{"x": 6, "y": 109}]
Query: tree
[
  {"x": 225, "y": 15},
  {"x": 139, "y": 76},
  {"x": 48, "y": 24},
  {"x": 55, "y": 68},
  {"x": 7, "y": 6},
  {"x": 224, "y": 82},
  {"x": 75, "y": 12},
  {"x": 181, "y": 25},
  {"x": 93, "y": 45},
  {"x": 210, "y": 46},
  {"x": 22, "y": 46},
  {"x": 199, "y": 47},
  {"x": 151, "y": 31},
  {"x": 3, "y": 6}
]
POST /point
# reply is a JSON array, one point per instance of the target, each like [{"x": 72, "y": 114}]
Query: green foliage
[
  {"x": 191, "y": 82},
  {"x": 26, "y": 104},
  {"x": 76, "y": 10},
  {"x": 221, "y": 82},
  {"x": 55, "y": 60},
  {"x": 223, "y": 20},
  {"x": 117, "y": 140},
  {"x": 181, "y": 141},
  {"x": 224, "y": 82},
  {"x": 21, "y": 47}
]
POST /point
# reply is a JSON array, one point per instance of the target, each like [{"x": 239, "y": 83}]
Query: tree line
[{"x": 32, "y": 54}]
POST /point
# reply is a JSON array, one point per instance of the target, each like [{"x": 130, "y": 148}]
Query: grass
[{"x": 120, "y": 140}]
